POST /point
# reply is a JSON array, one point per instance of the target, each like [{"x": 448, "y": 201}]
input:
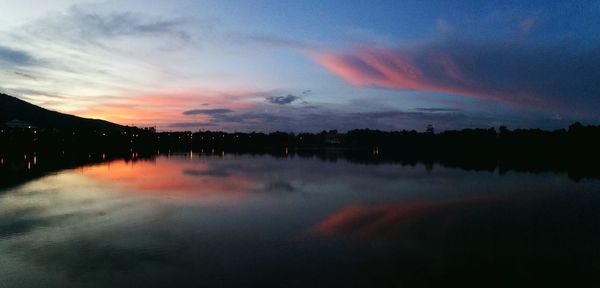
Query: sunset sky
[{"x": 306, "y": 65}]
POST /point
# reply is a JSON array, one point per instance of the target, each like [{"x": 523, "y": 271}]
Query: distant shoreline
[{"x": 26, "y": 153}]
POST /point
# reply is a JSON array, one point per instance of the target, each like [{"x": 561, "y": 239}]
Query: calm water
[{"x": 259, "y": 221}]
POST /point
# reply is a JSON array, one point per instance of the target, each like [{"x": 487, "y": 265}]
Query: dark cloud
[
  {"x": 437, "y": 109},
  {"x": 547, "y": 77},
  {"x": 317, "y": 119},
  {"x": 207, "y": 111},
  {"x": 25, "y": 92},
  {"x": 16, "y": 57},
  {"x": 282, "y": 100},
  {"x": 279, "y": 187},
  {"x": 25, "y": 75},
  {"x": 186, "y": 125},
  {"x": 405, "y": 115}
]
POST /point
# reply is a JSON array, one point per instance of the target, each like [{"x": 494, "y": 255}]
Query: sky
[{"x": 306, "y": 65}]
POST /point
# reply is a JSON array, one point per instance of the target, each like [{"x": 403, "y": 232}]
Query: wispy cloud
[
  {"x": 272, "y": 40},
  {"x": 85, "y": 24},
  {"x": 191, "y": 125},
  {"x": 84, "y": 53},
  {"x": 290, "y": 118},
  {"x": 207, "y": 111},
  {"x": 433, "y": 110},
  {"x": 550, "y": 77}
]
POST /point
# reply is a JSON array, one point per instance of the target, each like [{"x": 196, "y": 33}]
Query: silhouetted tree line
[{"x": 572, "y": 150}]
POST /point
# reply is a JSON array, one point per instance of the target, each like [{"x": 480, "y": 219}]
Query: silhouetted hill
[{"x": 12, "y": 108}]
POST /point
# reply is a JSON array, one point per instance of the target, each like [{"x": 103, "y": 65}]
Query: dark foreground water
[{"x": 259, "y": 221}]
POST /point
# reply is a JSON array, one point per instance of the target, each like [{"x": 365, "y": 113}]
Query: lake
[{"x": 192, "y": 220}]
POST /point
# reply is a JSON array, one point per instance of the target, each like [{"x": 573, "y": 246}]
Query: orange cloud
[{"x": 161, "y": 109}]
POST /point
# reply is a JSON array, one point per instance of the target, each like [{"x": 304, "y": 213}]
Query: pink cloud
[
  {"x": 393, "y": 219},
  {"x": 435, "y": 71},
  {"x": 167, "y": 179},
  {"x": 162, "y": 109},
  {"x": 550, "y": 77}
]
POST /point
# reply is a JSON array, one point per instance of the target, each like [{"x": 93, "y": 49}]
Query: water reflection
[
  {"x": 259, "y": 221},
  {"x": 172, "y": 177}
]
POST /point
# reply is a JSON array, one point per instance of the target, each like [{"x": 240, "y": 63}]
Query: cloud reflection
[
  {"x": 172, "y": 177},
  {"x": 395, "y": 219}
]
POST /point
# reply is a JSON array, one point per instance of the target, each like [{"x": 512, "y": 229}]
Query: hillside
[{"x": 12, "y": 108}]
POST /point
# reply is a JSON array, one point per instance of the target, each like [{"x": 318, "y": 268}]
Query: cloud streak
[
  {"x": 85, "y": 24},
  {"x": 542, "y": 76},
  {"x": 291, "y": 118},
  {"x": 273, "y": 40},
  {"x": 207, "y": 111},
  {"x": 433, "y": 110}
]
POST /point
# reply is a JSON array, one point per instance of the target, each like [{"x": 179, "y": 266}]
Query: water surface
[{"x": 258, "y": 221}]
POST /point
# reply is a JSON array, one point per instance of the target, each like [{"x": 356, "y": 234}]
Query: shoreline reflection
[{"x": 262, "y": 221}]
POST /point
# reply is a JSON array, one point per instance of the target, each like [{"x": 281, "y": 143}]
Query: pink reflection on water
[
  {"x": 394, "y": 219},
  {"x": 181, "y": 178}
]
